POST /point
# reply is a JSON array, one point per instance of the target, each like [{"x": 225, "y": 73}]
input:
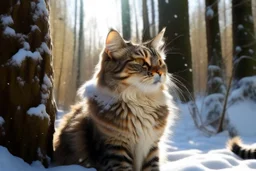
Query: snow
[
  {"x": 34, "y": 28},
  {"x": 209, "y": 12},
  {"x": 9, "y": 162},
  {"x": 214, "y": 68},
  {"x": 251, "y": 51},
  {"x": 40, "y": 10},
  {"x": 26, "y": 45},
  {"x": 47, "y": 81},
  {"x": 238, "y": 49},
  {"x": 6, "y": 20},
  {"x": 21, "y": 55},
  {"x": 2, "y": 121},
  {"x": 245, "y": 90},
  {"x": 240, "y": 27},
  {"x": 44, "y": 48},
  {"x": 39, "y": 111},
  {"x": 187, "y": 149},
  {"x": 8, "y": 31},
  {"x": 243, "y": 120},
  {"x": 20, "y": 81}
]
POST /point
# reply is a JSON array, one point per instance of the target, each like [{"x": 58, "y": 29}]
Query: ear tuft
[
  {"x": 114, "y": 42},
  {"x": 158, "y": 41}
]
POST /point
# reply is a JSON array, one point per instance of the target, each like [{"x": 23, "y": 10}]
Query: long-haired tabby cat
[
  {"x": 243, "y": 151},
  {"x": 124, "y": 110}
]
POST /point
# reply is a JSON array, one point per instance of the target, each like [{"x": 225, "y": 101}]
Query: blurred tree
[
  {"x": 61, "y": 61},
  {"x": 146, "y": 26},
  {"x": 173, "y": 15},
  {"x": 74, "y": 60},
  {"x": 126, "y": 21},
  {"x": 153, "y": 27},
  {"x": 80, "y": 44},
  {"x": 136, "y": 22},
  {"x": 27, "y": 107},
  {"x": 244, "y": 44}
]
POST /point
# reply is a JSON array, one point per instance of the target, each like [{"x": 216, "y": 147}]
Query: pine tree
[{"x": 27, "y": 107}]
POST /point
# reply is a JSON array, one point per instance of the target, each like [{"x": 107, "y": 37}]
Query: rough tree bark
[
  {"x": 173, "y": 15},
  {"x": 244, "y": 44},
  {"x": 126, "y": 19},
  {"x": 27, "y": 107}
]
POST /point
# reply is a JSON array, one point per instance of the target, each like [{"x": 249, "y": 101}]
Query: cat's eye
[{"x": 139, "y": 61}]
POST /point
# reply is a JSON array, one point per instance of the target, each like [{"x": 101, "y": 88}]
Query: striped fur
[
  {"x": 243, "y": 151},
  {"x": 123, "y": 111}
]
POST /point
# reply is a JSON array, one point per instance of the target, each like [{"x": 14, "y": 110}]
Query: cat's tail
[{"x": 245, "y": 152}]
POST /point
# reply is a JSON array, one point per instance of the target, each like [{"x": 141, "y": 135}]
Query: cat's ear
[
  {"x": 114, "y": 43},
  {"x": 158, "y": 41}
]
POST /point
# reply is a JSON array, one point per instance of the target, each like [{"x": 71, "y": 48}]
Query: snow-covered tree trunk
[
  {"x": 173, "y": 14},
  {"x": 244, "y": 45},
  {"x": 27, "y": 107}
]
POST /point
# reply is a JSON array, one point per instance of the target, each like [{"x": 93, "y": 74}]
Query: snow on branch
[{"x": 246, "y": 89}]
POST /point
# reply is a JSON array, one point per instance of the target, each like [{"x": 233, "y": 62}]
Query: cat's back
[{"x": 69, "y": 141}]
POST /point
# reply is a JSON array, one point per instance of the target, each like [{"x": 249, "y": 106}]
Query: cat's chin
[{"x": 150, "y": 88}]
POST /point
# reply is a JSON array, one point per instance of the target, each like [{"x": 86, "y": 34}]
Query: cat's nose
[{"x": 159, "y": 73}]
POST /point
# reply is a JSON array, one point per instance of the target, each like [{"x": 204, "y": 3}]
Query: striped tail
[{"x": 237, "y": 147}]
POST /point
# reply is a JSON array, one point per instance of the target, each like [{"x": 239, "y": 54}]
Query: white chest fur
[{"x": 141, "y": 148}]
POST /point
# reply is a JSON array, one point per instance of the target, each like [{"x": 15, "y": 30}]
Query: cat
[
  {"x": 241, "y": 150},
  {"x": 124, "y": 110}
]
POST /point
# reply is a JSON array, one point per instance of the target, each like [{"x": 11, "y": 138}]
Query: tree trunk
[
  {"x": 27, "y": 107},
  {"x": 214, "y": 48},
  {"x": 153, "y": 30},
  {"x": 136, "y": 22},
  {"x": 173, "y": 15},
  {"x": 146, "y": 31},
  {"x": 62, "y": 53},
  {"x": 80, "y": 44},
  {"x": 244, "y": 44},
  {"x": 126, "y": 21},
  {"x": 74, "y": 60}
]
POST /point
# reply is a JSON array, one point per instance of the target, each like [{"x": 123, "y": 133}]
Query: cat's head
[{"x": 140, "y": 66}]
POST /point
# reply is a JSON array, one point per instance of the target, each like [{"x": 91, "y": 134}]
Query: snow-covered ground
[{"x": 188, "y": 149}]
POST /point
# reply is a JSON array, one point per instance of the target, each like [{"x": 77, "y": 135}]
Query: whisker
[{"x": 181, "y": 85}]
